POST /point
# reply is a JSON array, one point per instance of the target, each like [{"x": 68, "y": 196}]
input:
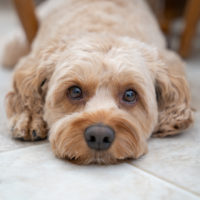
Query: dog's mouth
[{"x": 98, "y": 158}]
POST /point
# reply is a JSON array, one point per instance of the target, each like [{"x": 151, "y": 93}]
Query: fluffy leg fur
[{"x": 25, "y": 103}]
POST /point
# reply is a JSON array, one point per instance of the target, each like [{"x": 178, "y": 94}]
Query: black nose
[{"x": 99, "y": 137}]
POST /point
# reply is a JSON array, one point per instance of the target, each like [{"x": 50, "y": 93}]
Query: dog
[{"x": 99, "y": 81}]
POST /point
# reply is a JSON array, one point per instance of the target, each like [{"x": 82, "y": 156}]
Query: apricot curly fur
[{"x": 104, "y": 47}]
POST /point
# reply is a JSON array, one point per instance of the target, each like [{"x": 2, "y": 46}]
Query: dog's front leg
[{"x": 24, "y": 104}]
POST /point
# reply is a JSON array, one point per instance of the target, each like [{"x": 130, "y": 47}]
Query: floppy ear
[
  {"x": 31, "y": 78},
  {"x": 30, "y": 84},
  {"x": 173, "y": 95}
]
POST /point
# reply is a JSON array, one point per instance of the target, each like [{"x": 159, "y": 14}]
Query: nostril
[
  {"x": 106, "y": 140},
  {"x": 92, "y": 138}
]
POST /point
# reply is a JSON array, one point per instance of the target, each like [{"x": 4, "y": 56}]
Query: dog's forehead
[{"x": 116, "y": 63}]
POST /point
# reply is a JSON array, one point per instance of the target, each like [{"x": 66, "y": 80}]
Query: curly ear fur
[{"x": 173, "y": 96}]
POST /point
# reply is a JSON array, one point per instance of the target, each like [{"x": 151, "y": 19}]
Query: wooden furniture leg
[
  {"x": 192, "y": 15},
  {"x": 26, "y": 12}
]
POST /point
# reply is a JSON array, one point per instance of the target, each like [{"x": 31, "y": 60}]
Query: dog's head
[{"x": 101, "y": 104}]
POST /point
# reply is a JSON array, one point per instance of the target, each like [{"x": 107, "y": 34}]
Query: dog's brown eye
[
  {"x": 130, "y": 96},
  {"x": 75, "y": 92}
]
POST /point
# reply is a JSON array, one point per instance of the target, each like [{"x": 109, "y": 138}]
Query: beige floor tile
[
  {"x": 34, "y": 173},
  {"x": 175, "y": 159}
]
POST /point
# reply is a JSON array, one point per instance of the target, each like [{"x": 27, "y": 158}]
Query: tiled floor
[{"x": 171, "y": 169}]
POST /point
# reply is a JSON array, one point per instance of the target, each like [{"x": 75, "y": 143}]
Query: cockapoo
[{"x": 98, "y": 80}]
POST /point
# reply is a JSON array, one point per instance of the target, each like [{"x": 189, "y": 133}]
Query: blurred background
[{"x": 179, "y": 21}]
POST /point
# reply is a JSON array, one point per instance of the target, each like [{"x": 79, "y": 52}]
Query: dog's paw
[{"x": 28, "y": 127}]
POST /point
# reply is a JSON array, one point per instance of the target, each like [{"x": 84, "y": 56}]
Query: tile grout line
[
  {"x": 21, "y": 148},
  {"x": 129, "y": 163},
  {"x": 165, "y": 180}
]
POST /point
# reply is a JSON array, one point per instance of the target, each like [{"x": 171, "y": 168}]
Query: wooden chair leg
[
  {"x": 26, "y": 12},
  {"x": 191, "y": 18}
]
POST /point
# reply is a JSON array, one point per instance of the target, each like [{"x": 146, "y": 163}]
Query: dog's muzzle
[{"x": 99, "y": 136}]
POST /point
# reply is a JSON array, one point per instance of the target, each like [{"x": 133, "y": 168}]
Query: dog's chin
[{"x": 98, "y": 157}]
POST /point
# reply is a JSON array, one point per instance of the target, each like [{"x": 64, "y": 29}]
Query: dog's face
[{"x": 101, "y": 103}]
